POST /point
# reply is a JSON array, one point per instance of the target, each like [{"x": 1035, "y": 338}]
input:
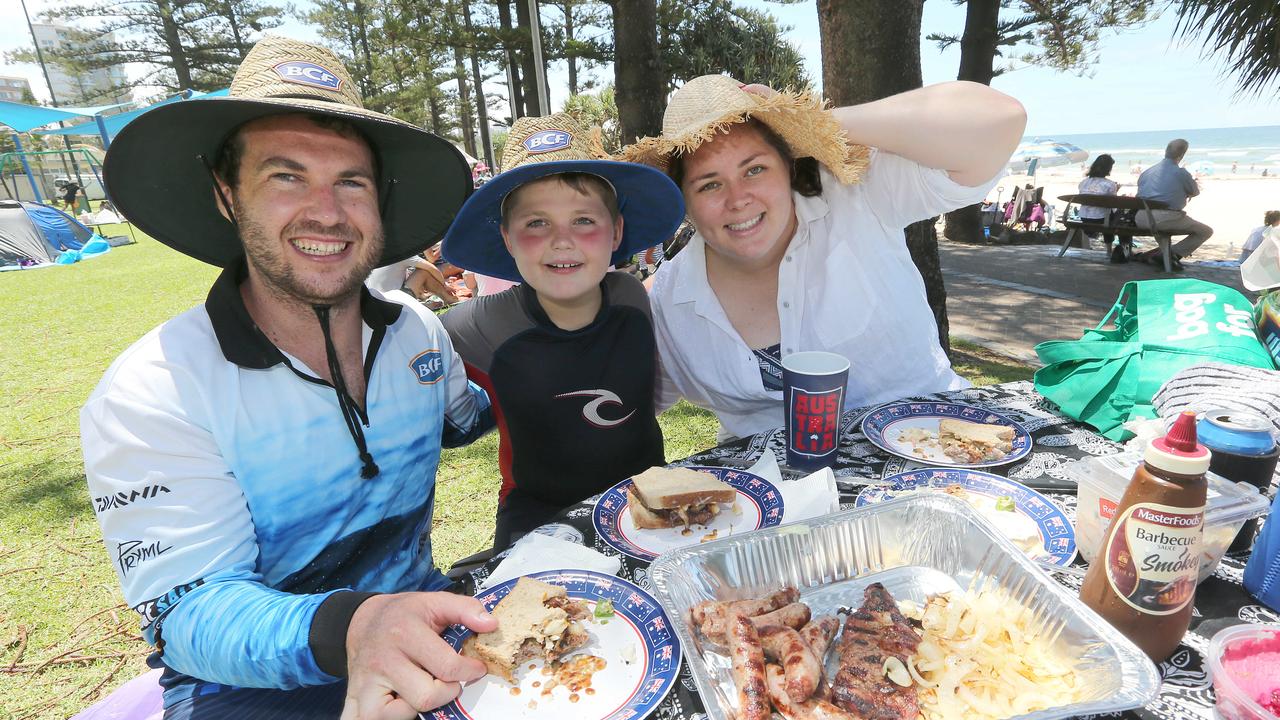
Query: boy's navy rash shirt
[{"x": 575, "y": 409}]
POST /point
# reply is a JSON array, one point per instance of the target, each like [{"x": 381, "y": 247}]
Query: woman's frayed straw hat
[
  {"x": 159, "y": 167},
  {"x": 712, "y": 104},
  {"x": 651, "y": 206}
]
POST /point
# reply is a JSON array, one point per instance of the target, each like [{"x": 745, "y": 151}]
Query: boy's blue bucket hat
[{"x": 651, "y": 205}]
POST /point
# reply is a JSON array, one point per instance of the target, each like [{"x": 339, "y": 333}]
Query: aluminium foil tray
[{"x": 916, "y": 546}]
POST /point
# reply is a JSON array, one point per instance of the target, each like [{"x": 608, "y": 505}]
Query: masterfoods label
[{"x": 1153, "y": 556}]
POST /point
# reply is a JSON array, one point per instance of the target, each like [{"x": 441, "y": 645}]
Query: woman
[
  {"x": 1096, "y": 183},
  {"x": 798, "y": 242}
]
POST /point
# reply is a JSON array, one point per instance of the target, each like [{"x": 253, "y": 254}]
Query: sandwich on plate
[
  {"x": 971, "y": 442},
  {"x": 676, "y": 497},
  {"x": 536, "y": 620}
]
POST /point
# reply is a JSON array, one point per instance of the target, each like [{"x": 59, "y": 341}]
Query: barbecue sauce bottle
[{"x": 1144, "y": 579}]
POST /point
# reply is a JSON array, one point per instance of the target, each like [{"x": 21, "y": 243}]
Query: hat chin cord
[{"x": 350, "y": 410}]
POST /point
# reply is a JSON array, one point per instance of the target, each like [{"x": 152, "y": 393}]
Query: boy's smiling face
[{"x": 562, "y": 239}]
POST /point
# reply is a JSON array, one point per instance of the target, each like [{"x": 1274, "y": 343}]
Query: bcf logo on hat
[
  {"x": 547, "y": 140},
  {"x": 307, "y": 73}
]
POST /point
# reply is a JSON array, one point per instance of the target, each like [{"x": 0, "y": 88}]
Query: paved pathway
[{"x": 1009, "y": 298}]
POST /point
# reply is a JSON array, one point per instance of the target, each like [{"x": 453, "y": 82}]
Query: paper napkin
[
  {"x": 810, "y": 496},
  {"x": 535, "y": 552}
]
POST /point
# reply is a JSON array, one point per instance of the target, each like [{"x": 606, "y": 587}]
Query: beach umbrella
[{"x": 1040, "y": 153}]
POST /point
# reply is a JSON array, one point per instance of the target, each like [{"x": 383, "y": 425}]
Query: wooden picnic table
[{"x": 1114, "y": 222}]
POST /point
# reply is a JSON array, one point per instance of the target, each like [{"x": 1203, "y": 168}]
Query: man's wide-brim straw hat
[
  {"x": 713, "y": 104},
  {"x": 158, "y": 170},
  {"x": 651, "y": 205}
]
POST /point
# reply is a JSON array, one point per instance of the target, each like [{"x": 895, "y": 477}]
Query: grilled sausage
[
  {"x": 794, "y": 616},
  {"x": 812, "y": 709},
  {"x": 715, "y": 617},
  {"x": 785, "y": 646},
  {"x": 748, "y": 670},
  {"x": 818, "y": 634}
]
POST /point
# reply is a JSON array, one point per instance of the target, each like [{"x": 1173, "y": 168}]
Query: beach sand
[{"x": 1232, "y": 204}]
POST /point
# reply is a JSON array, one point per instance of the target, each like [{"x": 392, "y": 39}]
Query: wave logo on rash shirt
[
  {"x": 591, "y": 411},
  {"x": 428, "y": 367}
]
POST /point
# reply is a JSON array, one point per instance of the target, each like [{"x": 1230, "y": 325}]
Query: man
[
  {"x": 263, "y": 465},
  {"x": 1171, "y": 184}
]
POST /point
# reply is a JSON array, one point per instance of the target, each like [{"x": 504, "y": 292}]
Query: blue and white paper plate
[
  {"x": 759, "y": 505},
  {"x": 884, "y": 425},
  {"x": 640, "y": 650},
  {"x": 1032, "y": 513}
]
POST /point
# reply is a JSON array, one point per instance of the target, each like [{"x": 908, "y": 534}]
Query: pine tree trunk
[
  {"x": 637, "y": 69},
  {"x": 465, "y": 123},
  {"x": 515, "y": 97},
  {"x": 870, "y": 50},
  {"x": 433, "y": 102},
  {"x": 977, "y": 63},
  {"x": 568, "y": 36},
  {"x": 173, "y": 43},
  {"x": 532, "y": 103},
  {"x": 978, "y": 44},
  {"x": 362, "y": 32},
  {"x": 477, "y": 80},
  {"x": 236, "y": 36}
]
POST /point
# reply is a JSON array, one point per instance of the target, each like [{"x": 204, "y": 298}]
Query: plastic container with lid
[
  {"x": 1242, "y": 662},
  {"x": 1102, "y": 482}
]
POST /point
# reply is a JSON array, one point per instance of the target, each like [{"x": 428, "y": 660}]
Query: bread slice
[
  {"x": 535, "y": 620},
  {"x": 660, "y": 488},
  {"x": 643, "y": 517},
  {"x": 996, "y": 436}
]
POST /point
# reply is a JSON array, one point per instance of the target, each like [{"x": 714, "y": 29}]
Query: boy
[{"x": 568, "y": 356}]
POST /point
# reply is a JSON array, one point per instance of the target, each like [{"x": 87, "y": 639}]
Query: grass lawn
[{"x": 66, "y": 638}]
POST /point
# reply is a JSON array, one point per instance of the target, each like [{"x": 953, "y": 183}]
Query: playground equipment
[{"x": 41, "y": 171}]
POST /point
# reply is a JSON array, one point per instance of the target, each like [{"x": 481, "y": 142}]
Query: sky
[{"x": 1144, "y": 79}]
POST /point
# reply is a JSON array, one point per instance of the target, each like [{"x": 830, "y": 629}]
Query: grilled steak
[{"x": 872, "y": 634}]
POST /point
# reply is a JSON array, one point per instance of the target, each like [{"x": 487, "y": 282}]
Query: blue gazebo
[{"x": 23, "y": 118}]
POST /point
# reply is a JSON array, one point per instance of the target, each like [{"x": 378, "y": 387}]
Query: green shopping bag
[{"x": 1158, "y": 327}]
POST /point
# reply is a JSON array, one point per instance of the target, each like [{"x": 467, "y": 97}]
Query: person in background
[
  {"x": 568, "y": 356},
  {"x": 1270, "y": 219},
  {"x": 1170, "y": 183},
  {"x": 799, "y": 214},
  {"x": 1037, "y": 216},
  {"x": 482, "y": 284},
  {"x": 414, "y": 276},
  {"x": 1097, "y": 183},
  {"x": 263, "y": 466},
  {"x": 69, "y": 192}
]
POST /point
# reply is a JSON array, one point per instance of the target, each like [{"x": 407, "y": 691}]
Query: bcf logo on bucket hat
[
  {"x": 547, "y": 140},
  {"x": 308, "y": 73}
]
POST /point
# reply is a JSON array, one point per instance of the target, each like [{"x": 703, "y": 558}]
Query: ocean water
[{"x": 1213, "y": 150}]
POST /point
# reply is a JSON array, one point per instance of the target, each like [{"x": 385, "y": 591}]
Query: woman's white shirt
[
  {"x": 1096, "y": 186},
  {"x": 846, "y": 285}
]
